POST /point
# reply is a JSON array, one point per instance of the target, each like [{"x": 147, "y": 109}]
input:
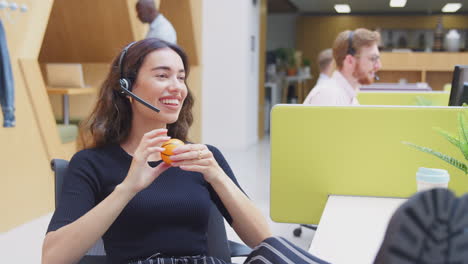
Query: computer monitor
[{"x": 459, "y": 91}]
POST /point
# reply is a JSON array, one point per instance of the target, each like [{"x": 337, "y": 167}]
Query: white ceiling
[{"x": 376, "y": 6}]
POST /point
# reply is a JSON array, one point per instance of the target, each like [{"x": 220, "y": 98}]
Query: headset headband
[
  {"x": 122, "y": 57},
  {"x": 351, "y": 50}
]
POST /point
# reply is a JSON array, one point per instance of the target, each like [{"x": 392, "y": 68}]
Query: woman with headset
[{"x": 148, "y": 211}]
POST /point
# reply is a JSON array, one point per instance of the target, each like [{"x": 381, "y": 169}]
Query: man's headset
[
  {"x": 351, "y": 51},
  {"x": 126, "y": 83}
]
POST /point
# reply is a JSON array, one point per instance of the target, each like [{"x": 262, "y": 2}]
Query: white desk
[
  {"x": 275, "y": 92},
  {"x": 352, "y": 228}
]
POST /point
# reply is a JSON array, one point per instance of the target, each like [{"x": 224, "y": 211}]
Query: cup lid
[{"x": 432, "y": 175}]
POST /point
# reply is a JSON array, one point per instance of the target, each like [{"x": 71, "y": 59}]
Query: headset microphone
[{"x": 126, "y": 84}]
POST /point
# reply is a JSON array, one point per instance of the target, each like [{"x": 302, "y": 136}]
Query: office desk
[
  {"x": 352, "y": 228},
  {"x": 66, "y": 92}
]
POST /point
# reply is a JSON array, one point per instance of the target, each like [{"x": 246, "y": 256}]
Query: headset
[
  {"x": 126, "y": 83},
  {"x": 351, "y": 50}
]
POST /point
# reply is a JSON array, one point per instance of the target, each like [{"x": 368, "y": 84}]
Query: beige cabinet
[{"x": 435, "y": 68}]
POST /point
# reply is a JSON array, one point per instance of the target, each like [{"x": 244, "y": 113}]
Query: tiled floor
[{"x": 252, "y": 169}]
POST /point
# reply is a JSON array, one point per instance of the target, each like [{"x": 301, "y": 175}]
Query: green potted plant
[
  {"x": 461, "y": 142},
  {"x": 281, "y": 58},
  {"x": 291, "y": 62}
]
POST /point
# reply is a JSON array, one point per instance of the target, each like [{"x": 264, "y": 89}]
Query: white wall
[
  {"x": 230, "y": 73},
  {"x": 281, "y": 31}
]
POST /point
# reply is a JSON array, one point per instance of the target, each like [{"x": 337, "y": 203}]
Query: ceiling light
[
  {"x": 343, "y": 8},
  {"x": 397, "y": 3},
  {"x": 451, "y": 7}
]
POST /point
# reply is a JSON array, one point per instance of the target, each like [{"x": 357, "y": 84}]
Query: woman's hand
[
  {"x": 198, "y": 158},
  {"x": 140, "y": 174}
]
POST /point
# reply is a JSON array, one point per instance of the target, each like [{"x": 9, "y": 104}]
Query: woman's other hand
[{"x": 198, "y": 158}]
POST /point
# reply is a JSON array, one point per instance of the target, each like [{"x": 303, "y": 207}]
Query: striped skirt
[
  {"x": 277, "y": 250},
  {"x": 273, "y": 250},
  {"x": 156, "y": 259}
]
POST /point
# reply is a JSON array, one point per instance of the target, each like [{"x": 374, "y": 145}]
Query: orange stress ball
[{"x": 168, "y": 146}]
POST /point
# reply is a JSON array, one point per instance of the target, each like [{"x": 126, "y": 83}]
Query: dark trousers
[{"x": 273, "y": 250}]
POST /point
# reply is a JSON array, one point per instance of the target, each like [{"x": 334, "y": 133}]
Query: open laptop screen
[{"x": 65, "y": 75}]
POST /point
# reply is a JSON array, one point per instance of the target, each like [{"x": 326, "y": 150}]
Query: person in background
[
  {"x": 159, "y": 26},
  {"x": 357, "y": 59},
  {"x": 325, "y": 63},
  {"x": 145, "y": 210}
]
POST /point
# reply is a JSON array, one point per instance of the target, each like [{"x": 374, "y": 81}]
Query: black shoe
[{"x": 430, "y": 228}]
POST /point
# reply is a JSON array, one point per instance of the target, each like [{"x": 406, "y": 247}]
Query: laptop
[{"x": 65, "y": 75}]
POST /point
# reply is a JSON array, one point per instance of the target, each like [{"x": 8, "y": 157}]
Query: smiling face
[
  {"x": 367, "y": 64},
  {"x": 161, "y": 82}
]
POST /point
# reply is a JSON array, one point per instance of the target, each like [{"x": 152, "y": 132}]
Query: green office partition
[
  {"x": 436, "y": 98},
  {"x": 318, "y": 151}
]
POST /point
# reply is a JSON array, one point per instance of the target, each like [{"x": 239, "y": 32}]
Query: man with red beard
[{"x": 357, "y": 60}]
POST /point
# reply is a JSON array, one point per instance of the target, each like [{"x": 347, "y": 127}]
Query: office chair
[
  {"x": 298, "y": 230},
  {"x": 217, "y": 243}
]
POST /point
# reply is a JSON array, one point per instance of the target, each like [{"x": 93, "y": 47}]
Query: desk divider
[
  {"x": 317, "y": 151},
  {"x": 433, "y": 98}
]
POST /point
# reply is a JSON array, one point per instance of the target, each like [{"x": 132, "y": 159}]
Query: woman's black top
[{"x": 170, "y": 216}]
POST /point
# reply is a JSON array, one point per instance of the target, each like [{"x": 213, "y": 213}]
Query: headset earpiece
[{"x": 125, "y": 84}]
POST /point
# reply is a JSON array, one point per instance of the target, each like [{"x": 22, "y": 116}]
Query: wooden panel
[
  {"x": 434, "y": 61},
  {"x": 86, "y": 31},
  {"x": 42, "y": 111},
  {"x": 435, "y": 68},
  {"x": 26, "y": 186},
  {"x": 26, "y": 180},
  {"x": 71, "y": 91},
  {"x": 396, "y": 76},
  {"x": 181, "y": 17},
  {"x": 437, "y": 79}
]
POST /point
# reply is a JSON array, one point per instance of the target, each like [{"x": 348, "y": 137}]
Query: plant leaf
[
  {"x": 423, "y": 101},
  {"x": 452, "y": 161},
  {"x": 462, "y": 135},
  {"x": 451, "y": 138}
]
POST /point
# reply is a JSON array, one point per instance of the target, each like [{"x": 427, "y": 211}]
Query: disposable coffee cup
[{"x": 428, "y": 178}]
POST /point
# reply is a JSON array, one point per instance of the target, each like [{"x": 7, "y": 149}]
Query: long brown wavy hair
[{"x": 111, "y": 119}]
